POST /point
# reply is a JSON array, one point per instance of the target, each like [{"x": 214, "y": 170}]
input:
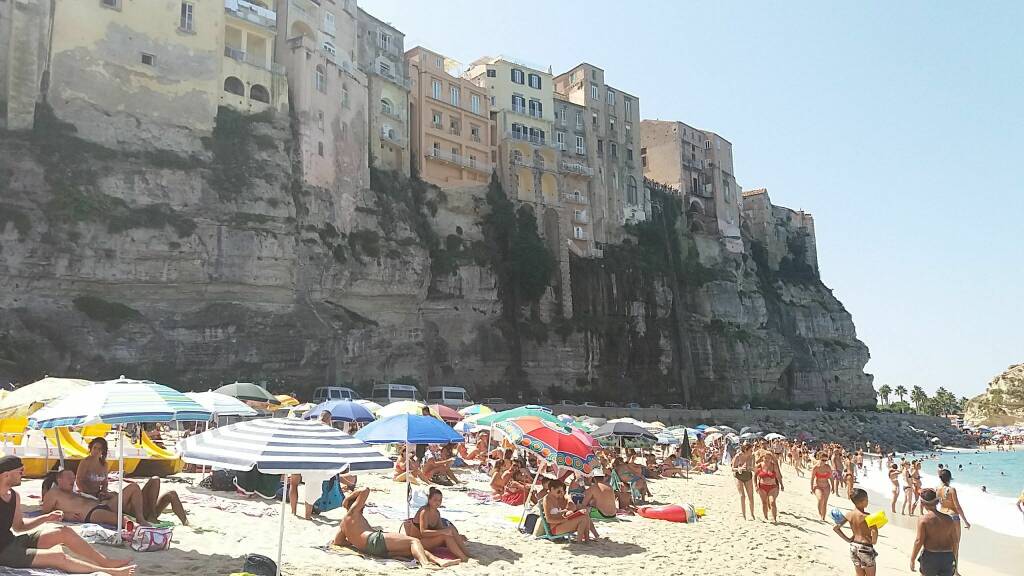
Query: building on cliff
[
  {"x": 450, "y": 130},
  {"x": 24, "y": 56},
  {"x": 698, "y": 164},
  {"x": 782, "y": 231},
  {"x": 381, "y": 55},
  {"x": 252, "y": 80},
  {"x": 618, "y": 195}
]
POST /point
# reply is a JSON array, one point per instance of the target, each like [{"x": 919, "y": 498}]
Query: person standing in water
[
  {"x": 937, "y": 539},
  {"x": 950, "y": 504}
]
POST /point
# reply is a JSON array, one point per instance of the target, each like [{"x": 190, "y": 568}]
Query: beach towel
[
  {"x": 348, "y": 551},
  {"x": 389, "y": 512},
  {"x": 254, "y": 509},
  {"x": 255, "y": 482},
  {"x": 5, "y": 571},
  {"x": 482, "y": 496}
]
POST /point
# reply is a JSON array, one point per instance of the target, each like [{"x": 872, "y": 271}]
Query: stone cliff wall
[
  {"x": 1002, "y": 404},
  {"x": 221, "y": 266}
]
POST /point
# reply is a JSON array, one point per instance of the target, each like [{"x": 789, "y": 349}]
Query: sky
[{"x": 896, "y": 124}]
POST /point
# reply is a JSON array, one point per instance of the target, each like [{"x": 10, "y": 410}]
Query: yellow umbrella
[
  {"x": 24, "y": 401},
  {"x": 402, "y": 407},
  {"x": 287, "y": 400}
]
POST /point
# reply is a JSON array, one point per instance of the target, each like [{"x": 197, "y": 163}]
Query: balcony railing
[
  {"x": 580, "y": 217},
  {"x": 575, "y": 199},
  {"x": 577, "y": 168},
  {"x": 522, "y": 136},
  {"x": 391, "y": 76},
  {"x": 251, "y": 13},
  {"x": 460, "y": 160},
  {"x": 519, "y": 110},
  {"x": 393, "y": 137},
  {"x": 580, "y": 235},
  {"x": 245, "y": 57},
  {"x": 392, "y": 114}
]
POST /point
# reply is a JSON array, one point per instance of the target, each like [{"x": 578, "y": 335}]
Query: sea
[{"x": 1001, "y": 474}]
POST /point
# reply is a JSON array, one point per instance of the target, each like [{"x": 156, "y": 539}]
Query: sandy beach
[{"x": 225, "y": 527}]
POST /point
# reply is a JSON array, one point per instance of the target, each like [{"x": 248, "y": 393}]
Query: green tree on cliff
[
  {"x": 884, "y": 392},
  {"x": 901, "y": 391},
  {"x": 918, "y": 396}
]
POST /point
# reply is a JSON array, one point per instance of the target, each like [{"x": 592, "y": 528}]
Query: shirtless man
[
  {"x": 58, "y": 494},
  {"x": 354, "y": 530},
  {"x": 936, "y": 537},
  {"x": 862, "y": 542},
  {"x": 600, "y": 499},
  {"x": 743, "y": 472}
]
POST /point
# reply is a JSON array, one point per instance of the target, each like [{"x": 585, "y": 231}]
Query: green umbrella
[
  {"x": 247, "y": 391},
  {"x": 490, "y": 419}
]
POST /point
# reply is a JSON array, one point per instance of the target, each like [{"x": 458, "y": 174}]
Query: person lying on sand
[
  {"x": 600, "y": 499},
  {"x": 433, "y": 530},
  {"x": 59, "y": 495},
  {"x": 41, "y": 547},
  {"x": 354, "y": 530},
  {"x": 864, "y": 538}
]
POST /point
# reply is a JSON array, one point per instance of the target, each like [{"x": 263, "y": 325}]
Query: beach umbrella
[
  {"x": 221, "y": 404},
  {"x": 401, "y": 407},
  {"x": 24, "y": 401},
  {"x": 464, "y": 427},
  {"x": 712, "y": 430},
  {"x": 623, "y": 430},
  {"x": 475, "y": 409},
  {"x": 713, "y": 436},
  {"x": 370, "y": 405},
  {"x": 119, "y": 402},
  {"x": 520, "y": 412},
  {"x": 565, "y": 419},
  {"x": 746, "y": 429},
  {"x": 701, "y": 426},
  {"x": 341, "y": 411},
  {"x": 408, "y": 429},
  {"x": 774, "y": 436},
  {"x": 286, "y": 400},
  {"x": 282, "y": 446},
  {"x": 667, "y": 439},
  {"x": 687, "y": 450},
  {"x": 298, "y": 411},
  {"x": 747, "y": 436},
  {"x": 445, "y": 413},
  {"x": 248, "y": 391}
]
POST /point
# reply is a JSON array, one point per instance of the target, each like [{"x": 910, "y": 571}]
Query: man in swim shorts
[
  {"x": 862, "y": 541},
  {"x": 936, "y": 537},
  {"x": 354, "y": 530},
  {"x": 59, "y": 494},
  {"x": 600, "y": 499}
]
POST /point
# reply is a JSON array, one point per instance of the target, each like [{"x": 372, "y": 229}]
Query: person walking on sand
[
  {"x": 936, "y": 539},
  {"x": 950, "y": 504},
  {"x": 769, "y": 484},
  {"x": 820, "y": 487},
  {"x": 41, "y": 547},
  {"x": 863, "y": 540},
  {"x": 354, "y": 530},
  {"x": 742, "y": 471}
]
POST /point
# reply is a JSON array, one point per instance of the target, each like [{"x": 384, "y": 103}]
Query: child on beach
[{"x": 863, "y": 538}]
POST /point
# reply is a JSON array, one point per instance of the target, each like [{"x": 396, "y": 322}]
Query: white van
[
  {"x": 385, "y": 394},
  {"x": 325, "y": 393},
  {"x": 449, "y": 396}
]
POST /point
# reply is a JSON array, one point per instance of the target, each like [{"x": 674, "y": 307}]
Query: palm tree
[
  {"x": 918, "y": 396},
  {"x": 884, "y": 392},
  {"x": 901, "y": 391}
]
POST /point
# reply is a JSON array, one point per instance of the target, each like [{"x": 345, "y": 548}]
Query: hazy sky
[{"x": 897, "y": 124}]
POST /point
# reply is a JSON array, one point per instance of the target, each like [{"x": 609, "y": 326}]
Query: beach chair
[
  {"x": 547, "y": 535},
  {"x": 615, "y": 482}
]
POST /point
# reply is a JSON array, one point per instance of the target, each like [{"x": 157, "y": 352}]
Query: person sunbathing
[
  {"x": 479, "y": 451},
  {"x": 561, "y": 516},
  {"x": 629, "y": 476},
  {"x": 355, "y": 531},
  {"x": 515, "y": 485},
  {"x": 498, "y": 477},
  {"x": 415, "y": 476},
  {"x": 438, "y": 468},
  {"x": 433, "y": 530},
  {"x": 600, "y": 499},
  {"x": 59, "y": 495}
]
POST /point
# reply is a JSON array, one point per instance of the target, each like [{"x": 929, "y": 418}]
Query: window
[
  {"x": 454, "y": 127},
  {"x": 234, "y": 86},
  {"x": 320, "y": 149},
  {"x": 437, "y": 119},
  {"x": 631, "y": 197},
  {"x": 579, "y": 119},
  {"x": 593, "y": 92},
  {"x": 573, "y": 76},
  {"x": 186, "y": 23},
  {"x": 615, "y": 178},
  {"x": 344, "y": 96},
  {"x": 600, "y": 147},
  {"x": 492, "y": 100},
  {"x": 517, "y": 76},
  {"x": 534, "y": 81},
  {"x": 518, "y": 104},
  {"x": 320, "y": 120},
  {"x": 320, "y": 79},
  {"x": 435, "y": 89},
  {"x": 385, "y": 69},
  {"x": 455, "y": 153},
  {"x": 727, "y": 191},
  {"x": 536, "y": 110},
  {"x": 474, "y": 132},
  {"x": 148, "y": 59},
  {"x": 613, "y": 149},
  {"x": 593, "y": 75},
  {"x": 386, "y": 107},
  {"x": 259, "y": 93},
  {"x": 707, "y": 144},
  {"x": 115, "y": 4},
  {"x": 611, "y": 97},
  {"x": 436, "y": 150},
  {"x": 628, "y": 103},
  {"x": 629, "y": 132},
  {"x": 384, "y": 41},
  {"x": 519, "y": 131},
  {"x": 454, "y": 95},
  {"x": 629, "y": 154},
  {"x": 581, "y": 147},
  {"x": 492, "y": 73},
  {"x": 593, "y": 118},
  {"x": 611, "y": 125},
  {"x": 329, "y": 23},
  {"x": 330, "y": 49},
  {"x": 474, "y": 103},
  {"x": 560, "y": 140},
  {"x": 439, "y": 62},
  {"x": 578, "y": 233}
]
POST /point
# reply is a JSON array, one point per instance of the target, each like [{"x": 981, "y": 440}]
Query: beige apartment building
[
  {"x": 328, "y": 93},
  {"x": 618, "y": 196},
  {"x": 452, "y": 144},
  {"x": 699, "y": 164},
  {"x": 252, "y": 81},
  {"x": 576, "y": 174},
  {"x": 773, "y": 225},
  {"x": 381, "y": 55}
]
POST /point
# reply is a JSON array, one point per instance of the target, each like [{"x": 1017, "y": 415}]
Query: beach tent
[
  {"x": 282, "y": 446},
  {"x": 119, "y": 402},
  {"x": 248, "y": 391}
]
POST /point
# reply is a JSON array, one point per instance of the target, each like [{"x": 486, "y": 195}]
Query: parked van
[
  {"x": 449, "y": 396},
  {"x": 385, "y": 394},
  {"x": 325, "y": 393}
]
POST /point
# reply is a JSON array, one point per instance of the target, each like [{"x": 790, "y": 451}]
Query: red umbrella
[
  {"x": 551, "y": 441},
  {"x": 447, "y": 414}
]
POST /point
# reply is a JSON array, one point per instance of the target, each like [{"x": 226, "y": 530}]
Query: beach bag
[
  {"x": 259, "y": 565},
  {"x": 530, "y": 523},
  {"x": 219, "y": 481},
  {"x": 330, "y": 498},
  {"x": 150, "y": 539}
]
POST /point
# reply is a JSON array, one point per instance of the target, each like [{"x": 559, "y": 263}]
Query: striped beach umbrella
[
  {"x": 282, "y": 446},
  {"x": 121, "y": 401},
  {"x": 221, "y": 404},
  {"x": 475, "y": 409}
]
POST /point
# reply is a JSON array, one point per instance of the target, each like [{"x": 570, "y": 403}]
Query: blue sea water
[{"x": 1002, "y": 473}]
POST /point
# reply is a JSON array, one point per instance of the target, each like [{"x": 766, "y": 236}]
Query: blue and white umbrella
[
  {"x": 282, "y": 446},
  {"x": 221, "y": 404},
  {"x": 341, "y": 411}
]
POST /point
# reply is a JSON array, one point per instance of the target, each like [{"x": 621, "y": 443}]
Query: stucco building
[
  {"x": 452, "y": 144},
  {"x": 618, "y": 195},
  {"x": 576, "y": 174},
  {"x": 24, "y": 55},
  {"x": 252, "y": 81},
  {"x": 699, "y": 164},
  {"x": 782, "y": 232},
  {"x": 381, "y": 55}
]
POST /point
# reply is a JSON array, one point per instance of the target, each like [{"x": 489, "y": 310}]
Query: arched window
[
  {"x": 320, "y": 79},
  {"x": 259, "y": 93},
  {"x": 386, "y": 107},
  {"x": 631, "y": 191},
  {"x": 234, "y": 86}
]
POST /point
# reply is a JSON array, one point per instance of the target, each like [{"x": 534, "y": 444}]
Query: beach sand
[{"x": 721, "y": 543}]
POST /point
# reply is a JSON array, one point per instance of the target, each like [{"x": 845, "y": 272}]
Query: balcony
[
  {"x": 460, "y": 161},
  {"x": 575, "y": 199},
  {"x": 580, "y": 235},
  {"x": 577, "y": 168},
  {"x": 392, "y": 114},
  {"x": 391, "y": 48},
  {"x": 523, "y": 111},
  {"x": 522, "y": 136},
  {"x": 580, "y": 217},
  {"x": 246, "y": 58},
  {"x": 251, "y": 13},
  {"x": 393, "y": 137},
  {"x": 391, "y": 77}
]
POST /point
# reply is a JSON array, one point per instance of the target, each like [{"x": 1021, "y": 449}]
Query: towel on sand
[
  {"x": 5, "y": 571},
  {"x": 348, "y": 551}
]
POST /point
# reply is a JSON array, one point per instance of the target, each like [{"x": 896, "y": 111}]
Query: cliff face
[
  {"x": 1002, "y": 404},
  {"x": 220, "y": 266}
]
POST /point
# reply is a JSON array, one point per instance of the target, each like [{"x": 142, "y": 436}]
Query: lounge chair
[
  {"x": 547, "y": 535},
  {"x": 615, "y": 482}
]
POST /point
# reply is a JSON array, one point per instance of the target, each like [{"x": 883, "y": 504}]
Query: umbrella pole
[
  {"x": 120, "y": 481},
  {"x": 60, "y": 450},
  {"x": 408, "y": 481},
  {"x": 529, "y": 492},
  {"x": 284, "y": 513}
]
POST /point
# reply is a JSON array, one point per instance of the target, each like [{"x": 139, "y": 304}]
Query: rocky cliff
[
  {"x": 1002, "y": 404},
  {"x": 222, "y": 266}
]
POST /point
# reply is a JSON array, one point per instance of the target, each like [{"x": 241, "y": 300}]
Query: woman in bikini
[
  {"x": 742, "y": 471},
  {"x": 560, "y": 516},
  {"x": 769, "y": 484},
  {"x": 400, "y": 468},
  {"x": 915, "y": 485},
  {"x": 515, "y": 485},
  {"x": 894, "y": 477},
  {"x": 949, "y": 503},
  {"x": 434, "y": 531},
  {"x": 908, "y": 488},
  {"x": 849, "y": 474},
  {"x": 821, "y": 476}
]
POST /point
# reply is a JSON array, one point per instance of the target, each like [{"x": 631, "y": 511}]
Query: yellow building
[
  {"x": 522, "y": 107},
  {"x": 381, "y": 55},
  {"x": 253, "y": 82},
  {"x": 450, "y": 128}
]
